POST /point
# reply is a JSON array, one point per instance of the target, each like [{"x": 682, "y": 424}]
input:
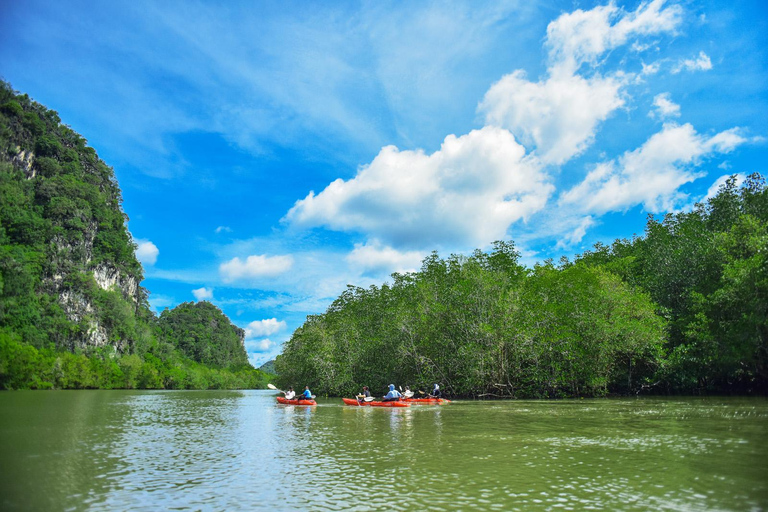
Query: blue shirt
[
  {"x": 307, "y": 394},
  {"x": 393, "y": 394}
]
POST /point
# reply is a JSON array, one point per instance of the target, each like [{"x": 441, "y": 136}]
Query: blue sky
[{"x": 270, "y": 153}]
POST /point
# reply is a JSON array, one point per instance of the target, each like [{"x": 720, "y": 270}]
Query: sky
[{"x": 272, "y": 153}]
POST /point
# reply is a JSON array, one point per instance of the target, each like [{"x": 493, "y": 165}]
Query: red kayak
[
  {"x": 353, "y": 401},
  {"x": 426, "y": 400},
  {"x": 283, "y": 400}
]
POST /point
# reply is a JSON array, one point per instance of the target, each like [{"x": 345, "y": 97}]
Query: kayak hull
[
  {"x": 426, "y": 400},
  {"x": 285, "y": 401},
  {"x": 353, "y": 401}
]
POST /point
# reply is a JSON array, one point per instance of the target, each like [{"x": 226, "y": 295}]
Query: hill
[{"x": 72, "y": 310}]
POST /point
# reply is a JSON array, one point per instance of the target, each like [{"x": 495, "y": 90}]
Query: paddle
[
  {"x": 408, "y": 394},
  {"x": 364, "y": 398},
  {"x": 300, "y": 397}
]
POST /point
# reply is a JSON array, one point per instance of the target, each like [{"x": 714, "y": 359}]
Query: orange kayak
[
  {"x": 426, "y": 400},
  {"x": 353, "y": 401},
  {"x": 283, "y": 400}
]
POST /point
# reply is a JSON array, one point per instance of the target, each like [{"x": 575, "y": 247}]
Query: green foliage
[
  {"x": 707, "y": 272},
  {"x": 22, "y": 366},
  {"x": 203, "y": 333},
  {"x": 482, "y": 326}
]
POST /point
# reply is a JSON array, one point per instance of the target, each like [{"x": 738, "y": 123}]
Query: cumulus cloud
[
  {"x": 259, "y": 346},
  {"x": 146, "y": 252},
  {"x": 266, "y": 327},
  {"x": 582, "y": 37},
  {"x": 701, "y": 63},
  {"x": 652, "y": 174},
  {"x": 664, "y": 107},
  {"x": 466, "y": 193},
  {"x": 377, "y": 257},
  {"x": 255, "y": 266},
  {"x": 223, "y": 229},
  {"x": 560, "y": 115},
  {"x": 203, "y": 293}
]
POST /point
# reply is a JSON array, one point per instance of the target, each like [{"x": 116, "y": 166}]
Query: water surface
[{"x": 239, "y": 450}]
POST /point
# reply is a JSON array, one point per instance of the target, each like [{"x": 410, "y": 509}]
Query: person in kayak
[
  {"x": 290, "y": 394},
  {"x": 306, "y": 394},
  {"x": 365, "y": 394},
  {"x": 436, "y": 393},
  {"x": 392, "y": 396}
]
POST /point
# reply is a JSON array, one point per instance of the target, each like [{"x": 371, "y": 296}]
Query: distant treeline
[{"x": 682, "y": 309}]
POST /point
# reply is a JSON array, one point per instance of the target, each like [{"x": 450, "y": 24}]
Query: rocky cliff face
[{"x": 61, "y": 214}]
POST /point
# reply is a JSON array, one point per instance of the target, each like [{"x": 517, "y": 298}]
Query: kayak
[
  {"x": 285, "y": 401},
  {"x": 426, "y": 400},
  {"x": 353, "y": 401}
]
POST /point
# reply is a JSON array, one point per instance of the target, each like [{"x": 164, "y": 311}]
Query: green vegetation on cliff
[
  {"x": 682, "y": 309},
  {"x": 72, "y": 312}
]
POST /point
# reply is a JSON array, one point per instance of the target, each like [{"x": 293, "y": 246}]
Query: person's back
[{"x": 392, "y": 395}]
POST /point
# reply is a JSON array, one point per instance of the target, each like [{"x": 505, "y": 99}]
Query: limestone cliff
[{"x": 67, "y": 260}]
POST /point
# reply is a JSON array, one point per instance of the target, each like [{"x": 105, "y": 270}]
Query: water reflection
[{"x": 242, "y": 451}]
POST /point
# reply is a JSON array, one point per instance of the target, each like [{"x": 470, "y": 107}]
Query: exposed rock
[
  {"x": 24, "y": 160},
  {"x": 80, "y": 310},
  {"x": 108, "y": 277}
]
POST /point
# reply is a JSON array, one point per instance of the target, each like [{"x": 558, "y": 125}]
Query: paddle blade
[
  {"x": 408, "y": 394},
  {"x": 271, "y": 386},
  {"x": 368, "y": 399}
]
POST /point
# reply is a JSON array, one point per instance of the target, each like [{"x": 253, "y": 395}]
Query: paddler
[
  {"x": 290, "y": 394},
  {"x": 306, "y": 394},
  {"x": 365, "y": 394},
  {"x": 436, "y": 393},
  {"x": 392, "y": 396}
]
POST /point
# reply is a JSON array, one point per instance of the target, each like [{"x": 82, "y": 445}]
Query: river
[{"x": 239, "y": 450}]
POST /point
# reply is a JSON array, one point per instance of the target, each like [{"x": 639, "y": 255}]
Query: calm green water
[{"x": 227, "y": 450}]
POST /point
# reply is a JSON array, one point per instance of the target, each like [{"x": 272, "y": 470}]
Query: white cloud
[
  {"x": 701, "y": 63},
  {"x": 203, "y": 293},
  {"x": 465, "y": 194},
  {"x": 260, "y": 346},
  {"x": 378, "y": 257},
  {"x": 665, "y": 107},
  {"x": 146, "y": 252},
  {"x": 583, "y": 36},
  {"x": 651, "y": 174},
  {"x": 560, "y": 115},
  {"x": 577, "y": 234},
  {"x": 223, "y": 229},
  {"x": 255, "y": 266},
  {"x": 651, "y": 69},
  {"x": 260, "y": 328}
]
